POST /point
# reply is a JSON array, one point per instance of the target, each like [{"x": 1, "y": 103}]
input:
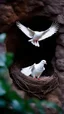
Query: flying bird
[
  {"x": 34, "y": 70},
  {"x": 36, "y": 36}
]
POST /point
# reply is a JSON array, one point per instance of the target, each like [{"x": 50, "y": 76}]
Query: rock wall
[{"x": 22, "y": 10}]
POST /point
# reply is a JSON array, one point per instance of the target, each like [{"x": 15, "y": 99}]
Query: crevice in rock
[{"x": 27, "y": 53}]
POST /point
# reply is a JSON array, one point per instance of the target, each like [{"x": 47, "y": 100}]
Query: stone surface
[
  {"x": 59, "y": 54},
  {"x": 54, "y": 9},
  {"x": 60, "y": 40},
  {"x": 7, "y": 16},
  {"x": 61, "y": 29},
  {"x": 23, "y": 10},
  {"x": 60, "y": 64},
  {"x": 60, "y": 19}
]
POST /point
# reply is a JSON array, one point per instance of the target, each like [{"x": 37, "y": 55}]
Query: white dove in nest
[
  {"x": 34, "y": 70},
  {"x": 37, "y": 36}
]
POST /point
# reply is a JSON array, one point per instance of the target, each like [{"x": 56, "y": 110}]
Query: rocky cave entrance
[{"x": 27, "y": 53}]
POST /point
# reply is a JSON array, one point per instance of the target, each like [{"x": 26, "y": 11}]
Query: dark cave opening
[
  {"x": 27, "y": 54},
  {"x": 31, "y": 54}
]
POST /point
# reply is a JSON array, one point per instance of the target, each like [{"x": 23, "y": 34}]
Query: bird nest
[{"x": 33, "y": 87}]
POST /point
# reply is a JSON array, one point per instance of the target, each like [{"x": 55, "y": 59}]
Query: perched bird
[
  {"x": 37, "y": 36},
  {"x": 34, "y": 70}
]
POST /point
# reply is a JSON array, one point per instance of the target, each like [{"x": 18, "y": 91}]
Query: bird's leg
[
  {"x": 38, "y": 77},
  {"x": 35, "y": 40},
  {"x": 34, "y": 77}
]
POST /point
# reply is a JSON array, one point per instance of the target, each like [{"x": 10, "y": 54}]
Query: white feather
[
  {"x": 27, "y": 31},
  {"x": 49, "y": 32},
  {"x": 26, "y": 71},
  {"x": 34, "y": 43}
]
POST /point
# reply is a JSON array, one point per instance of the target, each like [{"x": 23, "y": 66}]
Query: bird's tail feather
[
  {"x": 26, "y": 71},
  {"x": 34, "y": 43}
]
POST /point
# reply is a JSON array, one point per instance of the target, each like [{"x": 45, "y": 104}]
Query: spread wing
[
  {"x": 27, "y": 31},
  {"x": 49, "y": 32}
]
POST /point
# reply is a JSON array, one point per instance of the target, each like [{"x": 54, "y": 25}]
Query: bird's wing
[
  {"x": 27, "y": 31},
  {"x": 43, "y": 69},
  {"x": 26, "y": 71},
  {"x": 49, "y": 32},
  {"x": 33, "y": 67}
]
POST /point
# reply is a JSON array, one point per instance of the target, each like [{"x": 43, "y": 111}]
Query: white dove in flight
[
  {"x": 37, "y": 36},
  {"x": 34, "y": 70}
]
